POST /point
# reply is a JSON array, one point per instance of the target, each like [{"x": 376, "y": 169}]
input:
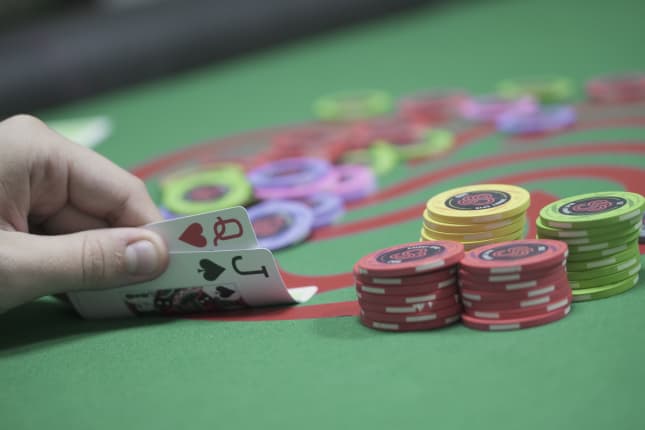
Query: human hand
[{"x": 64, "y": 218}]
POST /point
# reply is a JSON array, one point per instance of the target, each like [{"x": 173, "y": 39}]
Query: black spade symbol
[
  {"x": 210, "y": 270},
  {"x": 224, "y": 292}
]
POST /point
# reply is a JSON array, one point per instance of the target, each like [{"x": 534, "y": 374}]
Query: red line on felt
[{"x": 326, "y": 310}]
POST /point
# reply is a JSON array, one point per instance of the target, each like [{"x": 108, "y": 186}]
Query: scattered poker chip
[
  {"x": 411, "y": 290},
  {"x": 278, "y": 224},
  {"x": 395, "y": 327},
  {"x": 432, "y": 142},
  {"x": 641, "y": 238},
  {"x": 606, "y": 280},
  {"x": 420, "y": 317},
  {"x": 515, "y": 323},
  {"x": 618, "y": 88},
  {"x": 327, "y": 208},
  {"x": 546, "y": 89},
  {"x": 423, "y": 279},
  {"x": 608, "y": 290},
  {"x": 234, "y": 169},
  {"x": 408, "y": 278},
  {"x": 432, "y": 296},
  {"x": 593, "y": 209},
  {"x": 411, "y": 259},
  {"x": 544, "y": 120},
  {"x": 382, "y": 157},
  {"x": 166, "y": 214},
  {"x": 474, "y": 204},
  {"x": 515, "y": 257},
  {"x": 489, "y": 108},
  {"x": 353, "y": 105},
  {"x": 292, "y": 178},
  {"x": 412, "y": 308},
  {"x": 354, "y": 182},
  {"x": 431, "y": 107},
  {"x": 205, "y": 191}
]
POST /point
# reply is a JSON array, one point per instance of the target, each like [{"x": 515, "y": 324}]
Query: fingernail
[{"x": 142, "y": 258}]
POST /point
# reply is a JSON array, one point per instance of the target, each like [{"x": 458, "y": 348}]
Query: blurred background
[{"x": 57, "y": 51}]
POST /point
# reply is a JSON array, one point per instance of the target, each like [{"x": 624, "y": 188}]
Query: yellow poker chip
[
  {"x": 515, "y": 235},
  {"x": 477, "y": 236},
  {"x": 479, "y": 204},
  {"x": 205, "y": 191},
  {"x": 444, "y": 227}
]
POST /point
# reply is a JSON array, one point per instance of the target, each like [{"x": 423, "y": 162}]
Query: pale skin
[{"x": 69, "y": 218}]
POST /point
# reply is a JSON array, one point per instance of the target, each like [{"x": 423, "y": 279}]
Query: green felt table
[{"x": 308, "y": 368}]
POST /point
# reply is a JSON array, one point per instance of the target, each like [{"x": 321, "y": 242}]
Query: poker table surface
[{"x": 315, "y": 366}]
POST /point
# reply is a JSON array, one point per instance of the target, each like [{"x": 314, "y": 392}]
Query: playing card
[
  {"x": 250, "y": 273},
  {"x": 219, "y": 231}
]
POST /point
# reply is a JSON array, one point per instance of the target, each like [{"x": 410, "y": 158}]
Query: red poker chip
[
  {"x": 515, "y": 256},
  {"x": 407, "y": 300},
  {"x": 413, "y": 290},
  {"x": 515, "y": 323},
  {"x": 420, "y": 317},
  {"x": 511, "y": 296},
  {"x": 617, "y": 88},
  {"x": 506, "y": 278},
  {"x": 519, "y": 285},
  {"x": 517, "y": 304},
  {"x": 424, "y": 278},
  {"x": 519, "y": 313},
  {"x": 390, "y": 326},
  {"x": 431, "y": 107},
  {"x": 411, "y": 258},
  {"x": 415, "y": 308}
]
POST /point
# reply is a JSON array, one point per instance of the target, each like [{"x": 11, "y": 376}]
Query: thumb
[{"x": 40, "y": 265}]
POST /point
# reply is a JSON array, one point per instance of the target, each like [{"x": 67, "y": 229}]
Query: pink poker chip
[
  {"x": 411, "y": 308},
  {"x": 395, "y": 327},
  {"x": 519, "y": 313},
  {"x": 489, "y": 108},
  {"x": 430, "y": 296},
  {"x": 518, "y": 304},
  {"x": 354, "y": 182},
  {"x": 515, "y": 323},
  {"x": 506, "y": 296},
  {"x": 420, "y": 317},
  {"x": 413, "y": 290}
]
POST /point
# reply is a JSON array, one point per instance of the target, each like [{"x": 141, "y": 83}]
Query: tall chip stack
[
  {"x": 602, "y": 231},
  {"x": 409, "y": 287},
  {"x": 476, "y": 215}
]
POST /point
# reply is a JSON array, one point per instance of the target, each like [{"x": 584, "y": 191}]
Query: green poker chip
[
  {"x": 382, "y": 157},
  {"x": 600, "y": 246},
  {"x": 606, "y": 280},
  {"x": 578, "y": 266},
  {"x": 629, "y": 263},
  {"x": 600, "y": 254},
  {"x": 434, "y": 142},
  {"x": 586, "y": 294},
  {"x": 548, "y": 89},
  {"x": 205, "y": 191},
  {"x": 611, "y": 229},
  {"x": 605, "y": 237},
  {"x": 593, "y": 210},
  {"x": 353, "y": 105}
]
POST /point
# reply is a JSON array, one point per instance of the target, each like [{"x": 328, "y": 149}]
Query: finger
[
  {"x": 101, "y": 189},
  {"x": 33, "y": 266},
  {"x": 70, "y": 220}
]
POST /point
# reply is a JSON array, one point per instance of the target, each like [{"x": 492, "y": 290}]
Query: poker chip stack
[
  {"x": 476, "y": 215},
  {"x": 515, "y": 285},
  {"x": 409, "y": 287},
  {"x": 602, "y": 231}
]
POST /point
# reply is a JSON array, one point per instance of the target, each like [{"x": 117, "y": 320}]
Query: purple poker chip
[
  {"x": 289, "y": 172},
  {"x": 546, "y": 119},
  {"x": 166, "y": 213},
  {"x": 354, "y": 182},
  {"x": 489, "y": 108},
  {"x": 279, "y": 223},
  {"x": 327, "y": 208},
  {"x": 296, "y": 192}
]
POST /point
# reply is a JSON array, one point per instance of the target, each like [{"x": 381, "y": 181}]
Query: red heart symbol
[{"x": 193, "y": 235}]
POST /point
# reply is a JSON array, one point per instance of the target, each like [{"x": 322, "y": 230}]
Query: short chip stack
[
  {"x": 476, "y": 215},
  {"x": 602, "y": 231},
  {"x": 515, "y": 285},
  {"x": 409, "y": 287}
]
